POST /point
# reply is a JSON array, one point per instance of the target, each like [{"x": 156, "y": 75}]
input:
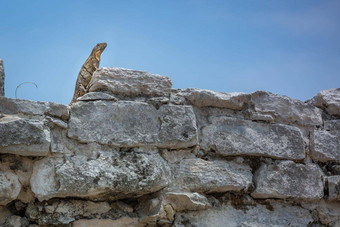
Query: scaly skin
[{"x": 87, "y": 70}]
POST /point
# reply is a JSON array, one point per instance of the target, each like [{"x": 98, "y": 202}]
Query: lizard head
[{"x": 98, "y": 50}]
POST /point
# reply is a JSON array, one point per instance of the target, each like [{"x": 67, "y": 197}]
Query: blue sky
[{"x": 287, "y": 47}]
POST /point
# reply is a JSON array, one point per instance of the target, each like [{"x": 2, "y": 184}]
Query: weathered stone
[
  {"x": 329, "y": 213},
  {"x": 23, "y": 136},
  {"x": 4, "y": 214},
  {"x": 2, "y": 78},
  {"x": 113, "y": 175},
  {"x": 286, "y": 179},
  {"x": 259, "y": 215},
  {"x": 325, "y": 145},
  {"x": 128, "y": 82},
  {"x": 178, "y": 127},
  {"x": 9, "y": 187},
  {"x": 207, "y": 98},
  {"x": 22, "y": 168},
  {"x": 284, "y": 109},
  {"x": 15, "y": 106},
  {"x": 328, "y": 100},
  {"x": 334, "y": 187},
  {"x": 332, "y": 125},
  {"x": 181, "y": 201},
  {"x": 199, "y": 175},
  {"x": 92, "y": 96},
  {"x": 63, "y": 212},
  {"x": 150, "y": 210},
  {"x": 121, "y": 222},
  {"x": 231, "y": 136},
  {"x": 132, "y": 124}
]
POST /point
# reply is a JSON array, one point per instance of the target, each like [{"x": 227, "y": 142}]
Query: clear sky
[{"x": 287, "y": 47}]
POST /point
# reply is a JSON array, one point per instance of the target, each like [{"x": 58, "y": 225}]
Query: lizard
[{"x": 87, "y": 70}]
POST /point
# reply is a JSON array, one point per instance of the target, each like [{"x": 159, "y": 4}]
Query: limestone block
[
  {"x": 231, "y": 136},
  {"x": 9, "y": 187},
  {"x": 132, "y": 124},
  {"x": 325, "y": 145},
  {"x": 112, "y": 175},
  {"x": 92, "y": 96},
  {"x": 286, "y": 179},
  {"x": 58, "y": 212},
  {"x": 2, "y": 78},
  {"x": 329, "y": 212},
  {"x": 259, "y": 215},
  {"x": 15, "y": 106},
  {"x": 178, "y": 127},
  {"x": 121, "y": 222},
  {"x": 285, "y": 109},
  {"x": 198, "y": 175},
  {"x": 24, "y": 136},
  {"x": 207, "y": 98},
  {"x": 328, "y": 100},
  {"x": 332, "y": 125},
  {"x": 334, "y": 187},
  {"x": 182, "y": 201},
  {"x": 128, "y": 82}
]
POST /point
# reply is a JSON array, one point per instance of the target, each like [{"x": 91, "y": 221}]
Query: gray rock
[
  {"x": 131, "y": 124},
  {"x": 182, "y": 201},
  {"x": 57, "y": 212},
  {"x": 231, "y": 136},
  {"x": 207, "y": 98},
  {"x": 198, "y": 175},
  {"x": 92, "y": 96},
  {"x": 325, "y": 145},
  {"x": 15, "y": 106},
  {"x": 328, "y": 100},
  {"x": 329, "y": 212},
  {"x": 334, "y": 187},
  {"x": 121, "y": 222},
  {"x": 286, "y": 179},
  {"x": 286, "y": 110},
  {"x": 9, "y": 186},
  {"x": 128, "y": 82},
  {"x": 178, "y": 127},
  {"x": 24, "y": 136},
  {"x": 113, "y": 175},
  {"x": 2, "y": 78},
  {"x": 259, "y": 215},
  {"x": 332, "y": 125}
]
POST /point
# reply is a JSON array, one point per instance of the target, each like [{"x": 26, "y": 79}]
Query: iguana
[{"x": 87, "y": 70}]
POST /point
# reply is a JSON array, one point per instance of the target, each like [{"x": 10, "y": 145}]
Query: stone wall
[
  {"x": 134, "y": 152},
  {"x": 2, "y": 78}
]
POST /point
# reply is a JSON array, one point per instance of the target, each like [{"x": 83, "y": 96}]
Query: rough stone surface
[
  {"x": 182, "y": 201},
  {"x": 325, "y": 145},
  {"x": 122, "y": 222},
  {"x": 107, "y": 123},
  {"x": 128, "y": 82},
  {"x": 134, "y": 152},
  {"x": 23, "y": 136},
  {"x": 198, "y": 175},
  {"x": 64, "y": 212},
  {"x": 92, "y": 96},
  {"x": 231, "y": 136},
  {"x": 286, "y": 179},
  {"x": 9, "y": 187},
  {"x": 17, "y": 106},
  {"x": 112, "y": 175},
  {"x": 228, "y": 216},
  {"x": 328, "y": 100},
  {"x": 284, "y": 109},
  {"x": 2, "y": 78},
  {"x": 334, "y": 187},
  {"x": 207, "y": 98}
]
